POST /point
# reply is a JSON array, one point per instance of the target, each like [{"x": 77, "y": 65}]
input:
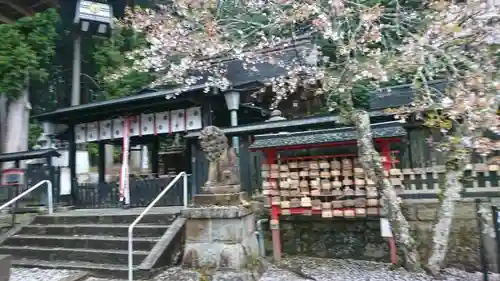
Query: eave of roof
[
  {"x": 389, "y": 97},
  {"x": 285, "y": 139},
  {"x": 276, "y": 126},
  {"x": 396, "y": 96},
  {"x": 12, "y": 10},
  {"x": 27, "y": 155},
  {"x": 109, "y": 106}
]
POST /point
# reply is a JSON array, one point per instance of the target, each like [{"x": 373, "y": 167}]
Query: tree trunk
[
  {"x": 371, "y": 162},
  {"x": 442, "y": 229},
  {"x": 3, "y": 121},
  {"x": 17, "y": 125},
  {"x": 25, "y": 130}
]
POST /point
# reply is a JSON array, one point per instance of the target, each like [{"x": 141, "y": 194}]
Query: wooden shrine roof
[
  {"x": 308, "y": 123},
  {"x": 11, "y": 10},
  {"x": 400, "y": 95},
  {"x": 314, "y": 137},
  {"x": 30, "y": 154},
  {"x": 380, "y": 100},
  {"x": 140, "y": 103},
  {"x": 239, "y": 77}
]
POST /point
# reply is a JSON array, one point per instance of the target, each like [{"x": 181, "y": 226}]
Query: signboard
[
  {"x": 93, "y": 11},
  {"x": 12, "y": 177},
  {"x": 385, "y": 228}
]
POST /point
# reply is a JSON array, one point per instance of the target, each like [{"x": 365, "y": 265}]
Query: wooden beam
[
  {"x": 4, "y": 19},
  {"x": 21, "y": 10},
  {"x": 52, "y": 3}
]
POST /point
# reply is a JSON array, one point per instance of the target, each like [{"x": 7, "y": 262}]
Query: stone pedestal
[
  {"x": 221, "y": 238},
  {"x": 5, "y": 264},
  {"x": 219, "y": 199}
]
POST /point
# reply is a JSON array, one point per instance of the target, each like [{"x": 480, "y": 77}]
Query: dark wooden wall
[{"x": 419, "y": 149}]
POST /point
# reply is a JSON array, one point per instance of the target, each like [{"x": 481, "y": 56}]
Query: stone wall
[
  {"x": 360, "y": 238},
  {"x": 463, "y": 250}
]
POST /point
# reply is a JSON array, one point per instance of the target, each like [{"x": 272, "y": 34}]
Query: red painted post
[
  {"x": 386, "y": 152},
  {"x": 275, "y": 212}
]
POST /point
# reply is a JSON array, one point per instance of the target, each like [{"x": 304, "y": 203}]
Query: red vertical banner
[
  {"x": 124, "y": 172},
  {"x": 185, "y": 120}
]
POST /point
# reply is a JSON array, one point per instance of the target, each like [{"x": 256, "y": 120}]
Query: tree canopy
[{"x": 27, "y": 51}]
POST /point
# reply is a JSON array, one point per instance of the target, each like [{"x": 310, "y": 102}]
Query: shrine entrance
[{"x": 147, "y": 124}]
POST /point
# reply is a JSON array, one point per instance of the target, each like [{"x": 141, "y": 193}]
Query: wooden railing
[{"x": 480, "y": 180}]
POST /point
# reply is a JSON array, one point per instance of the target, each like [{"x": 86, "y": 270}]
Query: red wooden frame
[{"x": 275, "y": 211}]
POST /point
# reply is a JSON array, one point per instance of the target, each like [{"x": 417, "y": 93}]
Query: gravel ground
[
  {"x": 37, "y": 274},
  {"x": 331, "y": 270}
]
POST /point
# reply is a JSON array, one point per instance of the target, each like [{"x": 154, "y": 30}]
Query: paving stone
[
  {"x": 330, "y": 270},
  {"x": 37, "y": 274}
]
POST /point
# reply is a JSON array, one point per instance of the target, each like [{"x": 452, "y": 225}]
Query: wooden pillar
[
  {"x": 206, "y": 112},
  {"x": 155, "y": 159},
  {"x": 52, "y": 179},
  {"x": 386, "y": 152},
  {"x": 101, "y": 165},
  {"x": 195, "y": 185},
  {"x": 72, "y": 163},
  {"x": 271, "y": 156}
]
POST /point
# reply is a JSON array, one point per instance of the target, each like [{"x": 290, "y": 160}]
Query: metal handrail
[
  {"x": 49, "y": 194},
  {"x": 148, "y": 208}
]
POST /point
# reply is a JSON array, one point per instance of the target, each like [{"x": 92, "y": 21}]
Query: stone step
[
  {"x": 97, "y": 270},
  {"x": 107, "y": 230},
  {"x": 161, "y": 219},
  {"x": 70, "y": 254},
  {"x": 89, "y": 242}
]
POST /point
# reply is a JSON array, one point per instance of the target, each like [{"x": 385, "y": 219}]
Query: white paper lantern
[
  {"x": 178, "y": 120},
  {"x": 135, "y": 126},
  {"x": 105, "y": 129},
  {"x": 193, "y": 118},
  {"x": 147, "y": 124},
  {"x": 162, "y": 122},
  {"x": 80, "y": 133},
  {"x": 92, "y": 131},
  {"x": 118, "y": 128}
]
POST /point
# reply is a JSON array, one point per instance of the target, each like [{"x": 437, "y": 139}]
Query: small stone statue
[
  {"x": 223, "y": 173},
  {"x": 276, "y": 115}
]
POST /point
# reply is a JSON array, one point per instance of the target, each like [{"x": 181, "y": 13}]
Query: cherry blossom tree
[{"x": 357, "y": 44}]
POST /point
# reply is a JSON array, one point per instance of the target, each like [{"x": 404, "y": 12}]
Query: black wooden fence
[
  {"x": 95, "y": 195},
  {"x": 33, "y": 175},
  {"x": 142, "y": 193}
]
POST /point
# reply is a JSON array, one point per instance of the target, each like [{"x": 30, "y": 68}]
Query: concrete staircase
[{"x": 97, "y": 243}]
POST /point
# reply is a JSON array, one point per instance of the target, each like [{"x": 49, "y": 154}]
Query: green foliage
[
  {"x": 26, "y": 51},
  {"x": 93, "y": 149},
  {"x": 109, "y": 55},
  {"x": 35, "y": 131},
  {"x": 360, "y": 96}
]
